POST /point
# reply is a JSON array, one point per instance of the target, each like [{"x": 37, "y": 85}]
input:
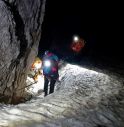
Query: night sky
[{"x": 99, "y": 23}]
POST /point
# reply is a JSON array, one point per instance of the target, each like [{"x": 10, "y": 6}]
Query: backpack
[{"x": 51, "y": 69}]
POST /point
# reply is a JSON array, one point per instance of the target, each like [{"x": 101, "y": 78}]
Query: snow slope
[{"x": 83, "y": 98}]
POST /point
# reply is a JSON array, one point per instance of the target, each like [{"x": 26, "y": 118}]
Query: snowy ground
[
  {"x": 83, "y": 98},
  {"x": 35, "y": 87}
]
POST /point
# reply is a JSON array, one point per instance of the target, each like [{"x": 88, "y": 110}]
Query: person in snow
[
  {"x": 35, "y": 69},
  {"x": 77, "y": 44},
  {"x": 50, "y": 71}
]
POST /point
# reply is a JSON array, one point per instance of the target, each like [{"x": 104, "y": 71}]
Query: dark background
[{"x": 99, "y": 23}]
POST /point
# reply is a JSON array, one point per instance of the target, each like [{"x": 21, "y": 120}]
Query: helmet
[{"x": 46, "y": 52}]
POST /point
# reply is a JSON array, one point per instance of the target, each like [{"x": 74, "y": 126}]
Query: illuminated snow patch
[
  {"x": 35, "y": 87},
  {"x": 39, "y": 84},
  {"x": 14, "y": 111},
  {"x": 77, "y": 69}
]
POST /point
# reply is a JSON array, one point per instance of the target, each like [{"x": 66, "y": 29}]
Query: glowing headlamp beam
[
  {"x": 47, "y": 63},
  {"x": 76, "y": 38}
]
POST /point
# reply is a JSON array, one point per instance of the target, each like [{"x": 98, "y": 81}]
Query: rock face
[{"x": 20, "y": 32}]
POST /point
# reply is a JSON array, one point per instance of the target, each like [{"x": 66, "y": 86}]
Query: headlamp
[
  {"x": 47, "y": 63},
  {"x": 76, "y": 38}
]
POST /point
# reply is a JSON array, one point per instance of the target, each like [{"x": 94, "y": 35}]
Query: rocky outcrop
[{"x": 20, "y": 32}]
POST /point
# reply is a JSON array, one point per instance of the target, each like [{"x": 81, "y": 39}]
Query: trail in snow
[{"x": 82, "y": 99}]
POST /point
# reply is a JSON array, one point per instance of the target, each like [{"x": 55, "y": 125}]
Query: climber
[
  {"x": 36, "y": 68},
  {"x": 50, "y": 71},
  {"x": 77, "y": 44}
]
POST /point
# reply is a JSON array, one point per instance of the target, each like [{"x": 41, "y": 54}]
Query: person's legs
[
  {"x": 52, "y": 85},
  {"x": 46, "y": 81}
]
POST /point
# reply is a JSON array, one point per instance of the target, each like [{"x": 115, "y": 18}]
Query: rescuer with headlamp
[
  {"x": 36, "y": 70},
  {"x": 77, "y": 44},
  {"x": 50, "y": 71}
]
